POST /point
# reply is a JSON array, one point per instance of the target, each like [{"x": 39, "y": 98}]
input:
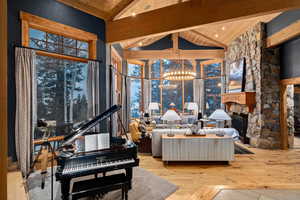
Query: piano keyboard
[{"x": 83, "y": 166}]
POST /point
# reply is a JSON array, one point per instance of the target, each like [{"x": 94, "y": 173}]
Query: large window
[
  {"x": 180, "y": 92},
  {"x": 61, "y": 93},
  {"x": 61, "y": 72},
  {"x": 135, "y": 72},
  {"x": 212, "y": 73}
]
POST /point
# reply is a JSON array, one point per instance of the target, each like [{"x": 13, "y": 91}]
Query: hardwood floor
[{"x": 265, "y": 168}]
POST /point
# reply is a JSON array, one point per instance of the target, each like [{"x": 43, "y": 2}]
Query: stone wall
[{"x": 262, "y": 77}]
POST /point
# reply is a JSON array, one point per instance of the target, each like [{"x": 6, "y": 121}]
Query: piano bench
[{"x": 101, "y": 185}]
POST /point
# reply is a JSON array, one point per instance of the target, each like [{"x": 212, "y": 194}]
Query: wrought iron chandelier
[{"x": 179, "y": 75}]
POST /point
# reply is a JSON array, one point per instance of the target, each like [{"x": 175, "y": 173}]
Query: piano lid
[{"x": 90, "y": 124}]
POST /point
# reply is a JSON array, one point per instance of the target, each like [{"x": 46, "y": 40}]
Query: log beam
[
  {"x": 191, "y": 14},
  {"x": 171, "y": 54}
]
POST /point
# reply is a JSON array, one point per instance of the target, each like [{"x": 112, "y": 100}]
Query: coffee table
[{"x": 197, "y": 148}]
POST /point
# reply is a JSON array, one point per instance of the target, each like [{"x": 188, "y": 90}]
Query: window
[
  {"x": 61, "y": 93},
  {"x": 58, "y": 44},
  {"x": 212, "y": 86},
  {"x": 61, "y": 71},
  {"x": 135, "y": 71},
  {"x": 179, "y": 94}
]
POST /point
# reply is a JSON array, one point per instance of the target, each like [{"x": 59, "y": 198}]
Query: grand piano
[{"x": 122, "y": 154}]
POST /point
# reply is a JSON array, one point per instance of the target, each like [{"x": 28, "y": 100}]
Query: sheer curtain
[
  {"x": 93, "y": 89},
  {"x": 25, "y": 106}
]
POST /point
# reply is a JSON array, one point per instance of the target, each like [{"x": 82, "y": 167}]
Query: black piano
[{"x": 122, "y": 154}]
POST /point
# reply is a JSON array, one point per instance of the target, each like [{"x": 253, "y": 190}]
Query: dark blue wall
[
  {"x": 167, "y": 43},
  {"x": 289, "y": 51},
  {"x": 58, "y": 12}
]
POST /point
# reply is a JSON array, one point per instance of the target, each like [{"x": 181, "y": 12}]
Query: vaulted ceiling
[{"x": 219, "y": 35}]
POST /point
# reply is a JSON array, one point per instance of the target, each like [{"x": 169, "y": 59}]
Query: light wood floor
[{"x": 274, "y": 168}]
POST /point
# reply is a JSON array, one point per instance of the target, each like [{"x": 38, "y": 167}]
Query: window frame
[
  {"x": 35, "y": 22},
  {"x": 204, "y": 77},
  {"x": 151, "y": 62},
  {"x": 142, "y": 78},
  {"x": 31, "y": 21}
]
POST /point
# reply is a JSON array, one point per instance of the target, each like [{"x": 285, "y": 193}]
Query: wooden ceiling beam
[
  {"x": 125, "y": 8},
  {"x": 87, "y": 9},
  {"x": 191, "y": 14},
  {"x": 213, "y": 41},
  {"x": 120, "y": 8},
  {"x": 171, "y": 54}
]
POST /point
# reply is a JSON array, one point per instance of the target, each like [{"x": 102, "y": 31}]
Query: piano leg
[
  {"x": 65, "y": 189},
  {"x": 129, "y": 176}
]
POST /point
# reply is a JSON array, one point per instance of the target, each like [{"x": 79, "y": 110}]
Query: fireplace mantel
[{"x": 243, "y": 98}]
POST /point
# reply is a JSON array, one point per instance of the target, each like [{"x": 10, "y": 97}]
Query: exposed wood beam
[
  {"x": 171, "y": 54},
  {"x": 87, "y": 9},
  {"x": 191, "y": 14},
  {"x": 125, "y": 9},
  {"x": 3, "y": 100},
  {"x": 283, "y": 117},
  {"x": 135, "y": 44},
  {"x": 119, "y": 8},
  {"x": 284, "y": 35},
  {"x": 213, "y": 41},
  {"x": 175, "y": 41}
]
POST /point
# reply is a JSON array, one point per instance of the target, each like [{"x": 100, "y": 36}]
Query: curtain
[
  {"x": 126, "y": 102},
  {"x": 147, "y": 94},
  {"x": 93, "y": 89},
  {"x": 25, "y": 106},
  {"x": 114, "y": 101}
]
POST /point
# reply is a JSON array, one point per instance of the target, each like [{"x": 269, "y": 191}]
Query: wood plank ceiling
[{"x": 207, "y": 35}]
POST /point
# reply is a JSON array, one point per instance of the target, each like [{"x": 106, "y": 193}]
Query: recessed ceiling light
[
  {"x": 223, "y": 28},
  {"x": 133, "y": 14},
  {"x": 216, "y": 35},
  {"x": 140, "y": 43}
]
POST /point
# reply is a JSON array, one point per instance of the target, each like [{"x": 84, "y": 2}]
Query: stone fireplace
[{"x": 262, "y": 77}]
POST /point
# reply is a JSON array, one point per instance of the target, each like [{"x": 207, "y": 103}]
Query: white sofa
[{"x": 157, "y": 133}]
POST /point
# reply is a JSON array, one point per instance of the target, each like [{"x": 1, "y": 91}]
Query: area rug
[{"x": 145, "y": 186}]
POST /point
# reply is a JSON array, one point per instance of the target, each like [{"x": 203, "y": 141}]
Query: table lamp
[
  {"x": 153, "y": 106},
  {"x": 220, "y": 116},
  {"x": 170, "y": 116}
]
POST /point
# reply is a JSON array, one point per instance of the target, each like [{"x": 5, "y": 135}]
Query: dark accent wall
[
  {"x": 58, "y": 12},
  {"x": 290, "y": 59},
  {"x": 281, "y": 21},
  {"x": 289, "y": 51}
]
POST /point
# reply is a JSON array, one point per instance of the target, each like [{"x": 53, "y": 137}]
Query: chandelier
[
  {"x": 179, "y": 75},
  {"x": 168, "y": 86}
]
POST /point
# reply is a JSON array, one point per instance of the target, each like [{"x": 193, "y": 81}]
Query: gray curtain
[
  {"x": 25, "y": 106},
  {"x": 126, "y": 102},
  {"x": 147, "y": 94},
  {"x": 93, "y": 89},
  {"x": 114, "y": 101}
]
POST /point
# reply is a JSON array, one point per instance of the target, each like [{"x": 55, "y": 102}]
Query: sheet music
[{"x": 96, "y": 142}]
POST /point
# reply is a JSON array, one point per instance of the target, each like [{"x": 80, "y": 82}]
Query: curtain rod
[{"x": 20, "y": 46}]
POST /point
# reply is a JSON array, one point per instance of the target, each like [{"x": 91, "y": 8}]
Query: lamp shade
[
  {"x": 153, "y": 106},
  {"x": 171, "y": 115},
  {"x": 219, "y": 114},
  {"x": 192, "y": 106}
]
